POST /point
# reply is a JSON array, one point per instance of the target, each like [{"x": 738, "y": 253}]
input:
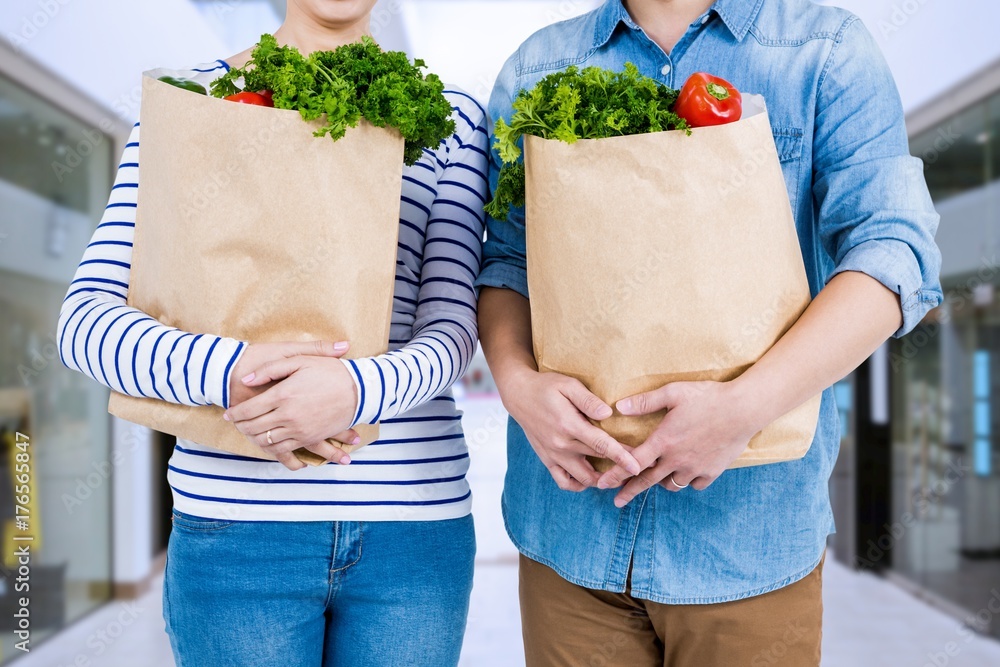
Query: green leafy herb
[
  {"x": 592, "y": 103},
  {"x": 341, "y": 86}
]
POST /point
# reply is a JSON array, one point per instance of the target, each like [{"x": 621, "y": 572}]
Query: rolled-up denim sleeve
[
  {"x": 875, "y": 212},
  {"x": 504, "y": 263}
]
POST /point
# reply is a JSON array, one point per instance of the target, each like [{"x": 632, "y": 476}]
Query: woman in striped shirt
[{"x": 366, "y": 560}]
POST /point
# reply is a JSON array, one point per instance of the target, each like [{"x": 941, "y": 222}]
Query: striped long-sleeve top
[{"x": 416, "y": 470}]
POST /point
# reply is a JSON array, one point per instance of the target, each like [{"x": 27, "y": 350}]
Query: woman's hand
[
  {"x": 705, "y": 429},
  {"x": 258, "y": 354},
  {"x": 308, "y": 400},
  {"x": 553, "y": 410}
]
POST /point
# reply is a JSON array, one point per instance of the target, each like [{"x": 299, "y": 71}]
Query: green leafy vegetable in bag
[
  {"x": 341, "y": 86},
  {"x": 592, "y": 103}
]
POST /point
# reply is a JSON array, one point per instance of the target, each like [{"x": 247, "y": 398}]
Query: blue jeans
[{"x": 312, "y": 594}]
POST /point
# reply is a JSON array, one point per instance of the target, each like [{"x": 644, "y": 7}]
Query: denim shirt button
[{"x": 666, "y": 69}]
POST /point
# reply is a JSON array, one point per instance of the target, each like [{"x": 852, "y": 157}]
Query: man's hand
[
  {"x": 301, "y": 393},
  {"x": 706, "y": 428},
  {"x": 553, "y": 410}
]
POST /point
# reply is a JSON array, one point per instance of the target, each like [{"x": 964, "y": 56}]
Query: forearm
[
  {"x": 847, "y": 321},
  {"x": 444, "y": 325},
  {"x": 131, "y": 353},
  {"x": 124, "y": 348},
  {"x": 505, "y": 334},
  {"x": 399, "y": 381}
]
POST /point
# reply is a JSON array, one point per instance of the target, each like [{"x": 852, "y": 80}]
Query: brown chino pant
[{"x": 566, "y": 625}]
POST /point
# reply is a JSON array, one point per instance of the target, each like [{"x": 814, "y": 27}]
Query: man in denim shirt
[{"x": 687, "y": 564}]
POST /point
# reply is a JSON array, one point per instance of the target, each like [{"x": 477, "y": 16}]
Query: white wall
[
  {"x": 132, "y": 513},
  {"x": 931, "y": 44},
  {"x": 486, "y": 33},
  {"x": 103, "y": 46}
]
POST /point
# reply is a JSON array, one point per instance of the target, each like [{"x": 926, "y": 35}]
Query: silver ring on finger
[
  {"x": 269, "y": 441},
  {"x": 679, "y": 487}
]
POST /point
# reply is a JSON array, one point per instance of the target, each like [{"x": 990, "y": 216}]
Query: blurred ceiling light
[{"x": 984, "y": 138}]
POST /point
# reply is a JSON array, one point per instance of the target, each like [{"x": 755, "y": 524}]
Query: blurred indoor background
[{"x": 916, "y": 575}]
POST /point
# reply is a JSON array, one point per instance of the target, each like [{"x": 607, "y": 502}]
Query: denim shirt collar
[
  {"x": 736, "y": 15},
  {"x": 611, "y": 13}
]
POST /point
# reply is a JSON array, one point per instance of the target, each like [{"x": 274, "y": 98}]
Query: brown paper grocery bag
[
  {"x": 665, "y": 257},
  {"x": 250, "y": 227}
]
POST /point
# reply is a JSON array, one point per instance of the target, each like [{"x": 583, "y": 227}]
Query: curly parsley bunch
[
  {"x": 341, "y": 86},
  {"x": 592, "y": 103}
]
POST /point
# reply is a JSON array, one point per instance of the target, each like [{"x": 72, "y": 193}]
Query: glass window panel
[
  {"x": 45, "y": 151},
  {"x": 994, "y": 132},
  {"x": 982, "y": 418},
  {"x": 981, "y": 373},
  {"x": 55, "y": 175},
  {"x": 983, "y": 458},
  {"x": 945, "y": 420},
  {"x": 955, "y": 153}
]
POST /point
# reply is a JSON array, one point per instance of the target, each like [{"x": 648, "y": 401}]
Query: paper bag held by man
[{"x": 664, "y": 257}]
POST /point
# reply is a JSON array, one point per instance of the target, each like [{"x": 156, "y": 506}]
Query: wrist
[
  {"x": 239, "y": 369},
  {"x": 510, "y": 368},
  {"x": 511, "y": 381},
  {"x": 233, "y": 373},
  {"x": 751, "y": 403},
  {"x": 352, "y": 383}
]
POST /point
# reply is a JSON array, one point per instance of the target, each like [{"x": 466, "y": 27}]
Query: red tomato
[
  {"x": 708, "y": 100},
  {"x": 251, "y": 98},
  {"x": 267, "y": 95}
]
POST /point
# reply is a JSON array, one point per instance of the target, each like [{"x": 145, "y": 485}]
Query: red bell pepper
[
  {"x": 251, "y": 98},
  {"x": 708, "y": 100}
]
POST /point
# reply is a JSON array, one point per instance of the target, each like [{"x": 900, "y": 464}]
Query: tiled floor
[{"x": 869, "y": 622}]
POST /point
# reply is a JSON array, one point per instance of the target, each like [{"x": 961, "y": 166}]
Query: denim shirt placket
[
  {"x": 620, "y": 563},
  {"x": 673, "y": 58}
]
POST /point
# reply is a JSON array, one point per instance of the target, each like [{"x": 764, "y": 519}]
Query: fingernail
[
  {"x": 633, "y": 468},
  {"x": 625, "y": 405},
  {"x": 340, "y": 347},
  {"x": 604, "y": 412},
  {"x": 345, "y": 460},
  {"x": 225, "y": 415},
  {"x": 603, "y": 484},
  {"x": 249, "y": 378},
  {"x": 620, "y": 503},
  {"x": 356, "y": 440}
]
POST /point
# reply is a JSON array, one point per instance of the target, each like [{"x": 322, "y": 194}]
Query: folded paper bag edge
[
  {"x": 139, "y": 410},
  {"x": 150, "y": 81}
]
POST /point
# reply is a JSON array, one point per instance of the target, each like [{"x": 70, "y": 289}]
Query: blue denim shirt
[{"x": 860, "y": 204}]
